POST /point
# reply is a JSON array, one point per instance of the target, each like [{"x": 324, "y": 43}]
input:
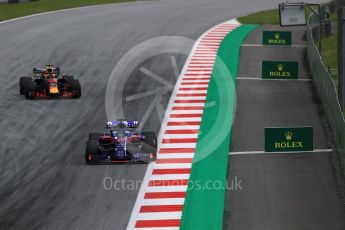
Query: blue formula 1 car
[{"x": 121, "y": 143}]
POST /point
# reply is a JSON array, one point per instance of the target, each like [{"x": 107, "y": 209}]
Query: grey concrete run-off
[
  {"x": 252, "y": 66},
  {"x": 279, "y": 191}
]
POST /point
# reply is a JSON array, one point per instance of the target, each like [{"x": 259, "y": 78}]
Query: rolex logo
[
  {"x": 278, "y": 71},
  {"x": 277, "y": 36},
  {"x": 288, "y": 136},
  {"x": 280, "y": 67}
]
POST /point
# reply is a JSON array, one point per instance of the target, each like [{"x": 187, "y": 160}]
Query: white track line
[
  {"x": 169, "y": 201},
  {"x": 168, "y": 228},
  {"x": 260, "y": 45},
  {"x": 187, "y": 112},
  {"x": 178, "y": 145},
  {"x": 170, "y": 177},
  {"x": 187, "y": 105},
  {"x": 159, "y": 215},
  {"x": 190, "y": 98},
  {"x": 261, "y": 79},
  {"x": 166, "y": 189},
  {"x": 263, "y": 152},
  {"x": 182, "y": 119},
  {"x": 176, "y": 155},
  {"x": 176, "y": 136},
  {"x": 176, "y": 166}
]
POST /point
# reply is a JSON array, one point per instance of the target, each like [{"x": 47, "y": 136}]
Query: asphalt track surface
[
  {"x": 44, "y": 182},
  {"x": 279, "y": 190}
]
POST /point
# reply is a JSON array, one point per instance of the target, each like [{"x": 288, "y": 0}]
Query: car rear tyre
[
  {"x": 95, "y": 136},
  {"x": 75, "y": 88},
  {"x": 91, "y": 151},
  {"x": 22, "y": 83},
  {"x": 68, "y": 78},
  {"x": 150, "y": 138},
  {"x": 30, "y": 89},
  {"x": 150, "y": 144}
]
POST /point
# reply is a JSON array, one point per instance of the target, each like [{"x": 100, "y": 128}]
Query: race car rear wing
[
  {"x": 122, "y": 123},
  {"x": 39, "y": 71}
]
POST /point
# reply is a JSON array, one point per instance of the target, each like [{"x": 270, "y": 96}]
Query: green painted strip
[{"x": 204, "y": 204}]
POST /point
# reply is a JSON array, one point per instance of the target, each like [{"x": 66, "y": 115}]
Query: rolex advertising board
[
  {"x": 279, "y": 70},
  {"x": 276, "y": 38},
  {"x": 289, "y": 139}
]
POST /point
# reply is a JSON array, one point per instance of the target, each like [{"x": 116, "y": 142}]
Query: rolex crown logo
[
  {"x": 277, "y": 36},
  {"x": 280, "y": 67},
  {"x": 288, "y": 136}
]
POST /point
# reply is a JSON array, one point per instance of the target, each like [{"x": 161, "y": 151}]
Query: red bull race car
[
  {"x": 49, "y": 83},
  {"x": 121, "y": 143}
]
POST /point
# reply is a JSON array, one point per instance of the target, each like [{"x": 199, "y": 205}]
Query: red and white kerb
[{"x": 160, "y": 202}]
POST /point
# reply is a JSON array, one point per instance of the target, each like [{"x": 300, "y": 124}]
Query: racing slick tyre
[
  {"x": 91, "y": 151},
  {"x": 69, "y": 78},
  {"x": 148, "y": 149},
  {"x": 22, "y": 83},
  {"x": 150, "y": 143},
  {"x": 150, "y": 138},
  {"x": 30, "y": 89},
  {"x": 95, "y": 136},
  {"x": 75, "y": 88}
]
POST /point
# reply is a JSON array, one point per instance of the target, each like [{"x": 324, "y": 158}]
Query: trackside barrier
[{"x": 328, "y": 94}]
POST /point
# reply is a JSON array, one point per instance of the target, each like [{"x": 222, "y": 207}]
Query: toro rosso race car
[
  {"x": 121, "y": 143},
  {"x": 48, "y": 83}
]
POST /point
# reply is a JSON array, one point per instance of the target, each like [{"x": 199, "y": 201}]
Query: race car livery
[
  {"x": 49, "y": 83},
  {"x": 121, "y": 143}
]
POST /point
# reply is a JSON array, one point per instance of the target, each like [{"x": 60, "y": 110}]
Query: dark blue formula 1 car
[{"x": 121, "y": 143}]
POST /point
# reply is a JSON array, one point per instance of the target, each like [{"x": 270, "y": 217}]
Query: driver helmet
[{"x": 109, "y": 124}]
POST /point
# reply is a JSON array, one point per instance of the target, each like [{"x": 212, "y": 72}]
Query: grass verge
[
  {"x": 329, "y": 44},
  {"x": 263, "y": 17},
  {"x": 330, "y": 49},
  {"x": 9, "y": 11}
]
